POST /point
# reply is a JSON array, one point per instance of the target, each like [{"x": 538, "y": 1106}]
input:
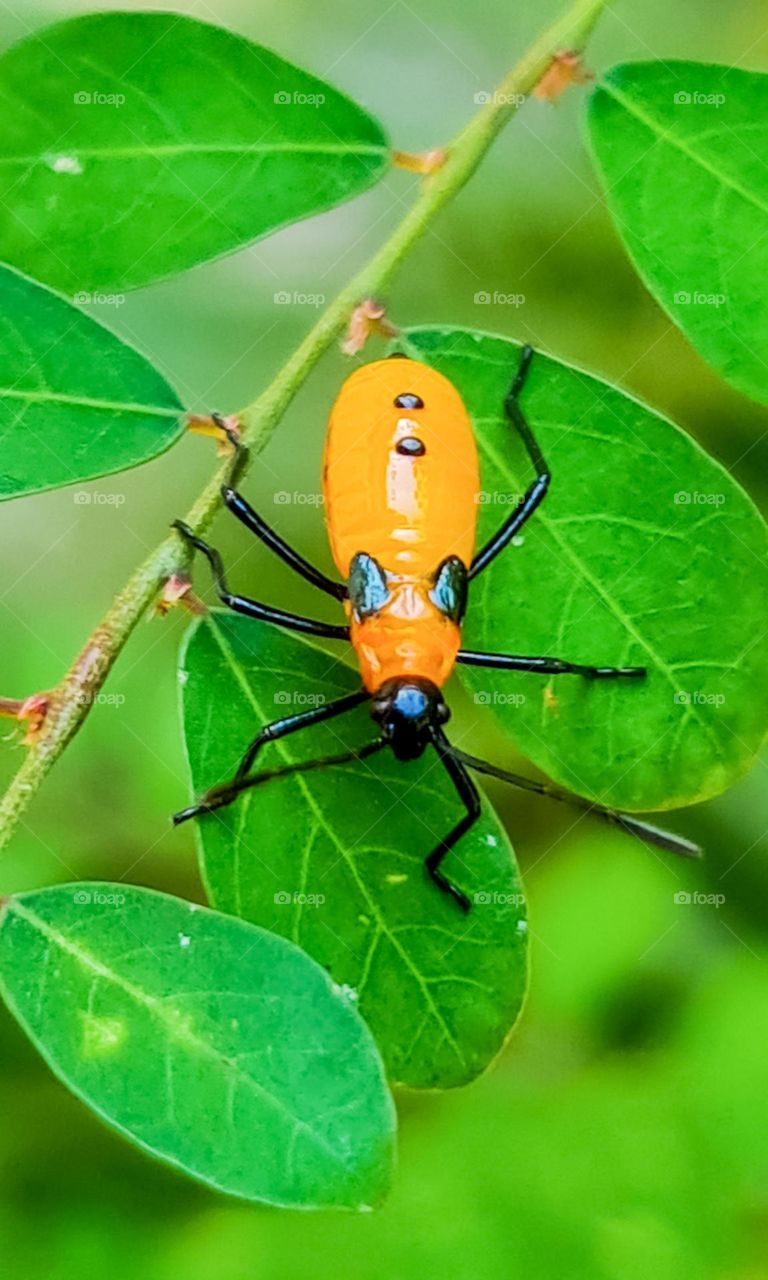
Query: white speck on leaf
[
  {"x": 518, "y": 541},
  {"x": 184, "y": 939},
  {"x": 102, "y": 1036},
  {"x": 522, "y": 926},
  {"x": 491, "y": 841},
  {"x": 183, "y": 677},
  {"x": 345, "y": 991},
  {"x": 65, "y": 164}
]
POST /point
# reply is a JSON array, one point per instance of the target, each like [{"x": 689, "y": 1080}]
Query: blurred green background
[{"x": 623, "y": 1134}]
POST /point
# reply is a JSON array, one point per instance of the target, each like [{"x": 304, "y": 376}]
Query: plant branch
[{"x": 71, "y": 701}]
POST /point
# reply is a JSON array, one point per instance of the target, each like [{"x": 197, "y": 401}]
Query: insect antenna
[
  {"x": 643, "y": 830},
  {"x": 226, "y": 792}
]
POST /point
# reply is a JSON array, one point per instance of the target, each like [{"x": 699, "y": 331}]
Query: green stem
[{"x": 71, "y": 701}]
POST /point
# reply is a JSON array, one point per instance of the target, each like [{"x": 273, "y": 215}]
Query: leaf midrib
[
  {"x": 88, "y": 402},
  {"x": 175, "y": 1030},
  {"x": 674, "y": 140},
  {"x": 341, "y": 849},
  {"x": 165, "y": 150}
]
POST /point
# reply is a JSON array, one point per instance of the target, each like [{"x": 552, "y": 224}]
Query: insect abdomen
[{"x": 400, "y": 482}]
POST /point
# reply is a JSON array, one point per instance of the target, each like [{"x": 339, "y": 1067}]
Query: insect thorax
[{"x": 374, "y": 590}]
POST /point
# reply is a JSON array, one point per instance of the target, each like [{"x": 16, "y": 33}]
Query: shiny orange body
[{"x": 408, "y": 511}]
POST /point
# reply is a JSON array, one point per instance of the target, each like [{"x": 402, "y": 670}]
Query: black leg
[
  {"x": 467, "y": 792},
  {"x": 226, "y": 792},
  {"x": 544, "y": 666},
  {"x": 303, "y": 766},
  {"x": 254, "y": 523},
  {"x": 644, "y": 830},
  {"x": 535, "y": 492},
  {"x": 278, "y": 729},
  {"x": 253, "y": 608},
  {"x": 245, "y": 513}
]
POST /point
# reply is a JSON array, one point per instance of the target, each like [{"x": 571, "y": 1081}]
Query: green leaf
[
  {"x": 334, "y": 859},
  {"x": 645, "y": 552},
  {"x": 679, "y": 147},
  {"x": 135, "y": 145},
  {"x": 220, "y": 1048},
  {"x": 75, "y": 401}
]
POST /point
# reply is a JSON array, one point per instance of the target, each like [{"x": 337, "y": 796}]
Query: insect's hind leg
[
  {"x": 254, "y": 608},
  {"x": 244, "y": 512},
  {"x": 537, "y": 491},
  {"x": 224, "y": 794}
]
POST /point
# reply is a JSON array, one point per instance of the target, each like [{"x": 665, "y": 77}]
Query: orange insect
[
  {"x": 401, "y": 485},
  {"x": 391, "y": 457}
]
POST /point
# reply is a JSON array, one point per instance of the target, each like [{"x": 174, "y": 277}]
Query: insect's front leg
[
  {"x": 470, "y": 798},
  {"x": 220, "y": 796}
]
